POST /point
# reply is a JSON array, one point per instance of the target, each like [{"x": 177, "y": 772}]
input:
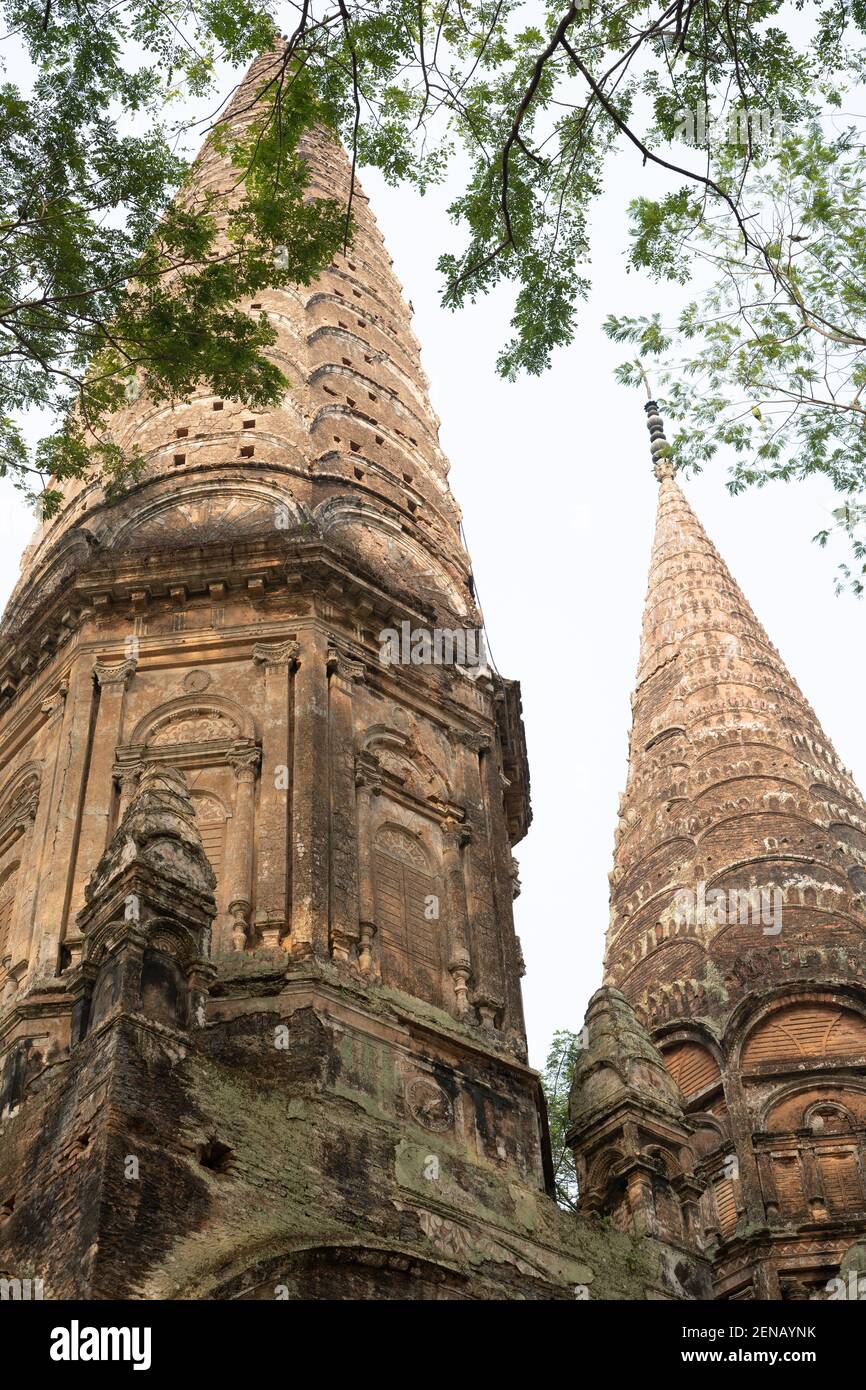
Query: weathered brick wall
[
  {"x": 303, "y": 1169},
  {"x": 733, "y": 788}
]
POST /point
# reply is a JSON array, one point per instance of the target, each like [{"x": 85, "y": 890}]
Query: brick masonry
[{"x": 261, "y": 1030}]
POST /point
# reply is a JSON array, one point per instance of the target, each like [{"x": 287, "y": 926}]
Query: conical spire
[
  {"x": 355, "y": 433},
  {"x": 619, "y": 1063},
  {"x": 157, "y": 830},
  {"x": 732, "y": 785}
]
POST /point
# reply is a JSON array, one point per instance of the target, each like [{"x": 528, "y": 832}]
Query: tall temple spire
[
  {"x": 256, "y": 882},
  {"x": 738, "y": 911},
  {"x": 724, "y": 750},
  {"x": 356, "y": 419},
  {"x": 312, "y": 1045}
]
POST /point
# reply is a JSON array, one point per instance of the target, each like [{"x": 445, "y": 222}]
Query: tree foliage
[
  {"x": 731, "y": 100},
  {"x": 771, "y": 360},
  {"x": 556, "y": 1083},
  {"x": 107, "y": 286}
]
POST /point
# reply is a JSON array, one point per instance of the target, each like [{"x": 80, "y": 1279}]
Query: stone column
[
  {"x": 57, "y": 853},
  {"x": 489, "y": 995},
  {"x": 239, "y": 860},
  {"x": 640, "y": 1201},
  {"x": 127, "y": 781},
  {"x": 772, "y": 1206},
  {"x": 272, "y": 870},
  {"x": 367, "y": 785},
  {"x": 751, "y": 1198},
  {"x": 310, "y": 810},
  {"x": 344, "y": 914},
  {"x": 861, "y": 1159},
  {"x": 813, "y": 1187},
  {"x": 454, "y": 837},
  {"x": 24, "y": 946},
  {"x": 508, "y": 948},
  {"x": 13, "y": 966},
  {"x": 112, "y": 681}
]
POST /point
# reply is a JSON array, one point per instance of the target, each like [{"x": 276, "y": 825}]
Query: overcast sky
[{"x": 558, "y": 498}]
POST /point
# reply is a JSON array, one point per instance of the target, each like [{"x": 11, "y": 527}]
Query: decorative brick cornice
[
  {"x": 276, "y": 653},
  {"x": 121, "y": 674}
]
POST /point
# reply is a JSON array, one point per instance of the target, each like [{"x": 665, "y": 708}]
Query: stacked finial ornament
[{"x": 663, "y": 464}]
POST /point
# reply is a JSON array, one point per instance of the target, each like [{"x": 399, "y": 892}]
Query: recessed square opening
[{"x": 215, "y": 1155}]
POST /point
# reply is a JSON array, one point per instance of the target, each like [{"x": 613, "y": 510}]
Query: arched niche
[
  {"x": 214, "y": 740},
  {"x": 204, "y": 513},
  {"x": 693, "y": 1067},
  {"x": 163, "y": 989},
  {"x": 407, "y": 766},
  {"x": 829, "y": 1116},
  {"x": 823, "y": 1107},
  {"x": 712, "y": 1132},
  {"x": 18, "y": 801},
  {"x": 211, "y": 820},
  {"x": 605, "y": 1189},
  {"x": 380, "y": 544},
  {"x": 206, "y": 718},
  {"x": 813, "y": 1165},
  {"x": 9, "y": 875},
  {"x": 818, "y": 1031},
  {"x": 409, "y": 917}
]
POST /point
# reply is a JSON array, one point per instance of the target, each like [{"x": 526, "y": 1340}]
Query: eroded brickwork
[
  {"x": 261, "y": 1029},
  {"x": 738, "y": 927}
]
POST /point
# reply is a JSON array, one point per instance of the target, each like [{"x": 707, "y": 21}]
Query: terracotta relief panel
[
  {"x": 409, "y": 923},
  {"x": 818, "y": 1032},
  {"x": 692, "y": 1067}
]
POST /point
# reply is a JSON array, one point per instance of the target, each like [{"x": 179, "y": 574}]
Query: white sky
[{"x": 558, "y": 497}]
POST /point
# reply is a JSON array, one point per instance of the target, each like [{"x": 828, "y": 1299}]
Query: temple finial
[{"x": 663, "y": 464}]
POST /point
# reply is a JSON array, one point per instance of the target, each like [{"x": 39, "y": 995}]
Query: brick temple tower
[
  {"x": 261, "y": 1030},
  {"x": 738, "y": 931}
]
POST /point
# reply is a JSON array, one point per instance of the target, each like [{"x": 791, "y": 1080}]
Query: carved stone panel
[
  {"x": 429, "y": 1104},
  {"x": 409, "y": 925}
]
